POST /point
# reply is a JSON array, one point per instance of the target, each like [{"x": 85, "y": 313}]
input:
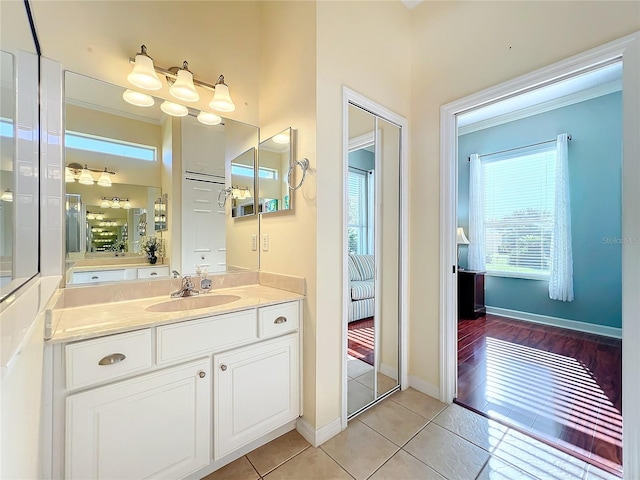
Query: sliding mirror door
[{"x": 372, "y": 244}]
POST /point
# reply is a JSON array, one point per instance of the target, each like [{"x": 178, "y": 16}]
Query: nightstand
[{"x": 471, "y": 294}]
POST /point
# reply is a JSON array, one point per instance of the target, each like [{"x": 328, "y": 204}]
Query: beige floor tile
[
  {"x": 277, "y": 451},
  {"x": 311, "y": 464},
  {"x": 448, "y": 454},
  {"x": 418, "y": 402},
  {"x": 359, "y": 449},
  {"x": 496, "y": 469},
  {"x": 403, "y": 466},
  {"x": 356, "y": 367},
  {"x": 384, "y": 383},
  {"x": 239, "y": 469},
  {"x": 358, "y": 396},
  {"x": 539, "y": 459},
  {"x": 394, "y": 421},
  {"x": 480, "y": 430}
]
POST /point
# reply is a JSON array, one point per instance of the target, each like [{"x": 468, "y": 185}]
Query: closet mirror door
[{"x": 372, "y": 258}]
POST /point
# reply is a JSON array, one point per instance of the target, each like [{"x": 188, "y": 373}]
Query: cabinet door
[
  {"x": 154, "y": 426},
  {"x": 256, "y": 389}
]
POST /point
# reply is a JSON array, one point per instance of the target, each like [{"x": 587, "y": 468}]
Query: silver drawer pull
[
  {"x": 280, "y": 320},
  {"x": 223, "y": 367},
  {"x": 113, "y": 358},
  {"x": 154, "y": 273},
  {"x": 94, "y": 278}
]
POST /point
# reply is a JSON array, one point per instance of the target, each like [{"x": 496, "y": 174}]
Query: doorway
[
  {"x": 624, "y": 50},
  {"x": 374, "y": 254}
]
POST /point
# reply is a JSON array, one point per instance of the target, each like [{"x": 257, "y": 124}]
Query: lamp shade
[
  {"x": 68, "y": 175},
  {"x": 209, "y": 118},
  {"x": 461, "y": 238},
  {"x": 183, "y": 88},
  {"x": 174, "y": 109},
  {"x": 115, "y": 203},
  {"x": 7, "y": 196},
  {"x": 281, "y": 138},
  {"x": 143, "y": 74},
  {"x": 105, "y": 203},
  {"x": 221, "y": 99},
  {"x": 85, "y": 177},
  {"x": 127, "y": 205},
  {"x": 138, "y": 99},
  {"x": 105, "y": 179}
]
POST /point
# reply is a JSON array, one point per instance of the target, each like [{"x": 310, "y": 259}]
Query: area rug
[{"x": 361, "y": 340}]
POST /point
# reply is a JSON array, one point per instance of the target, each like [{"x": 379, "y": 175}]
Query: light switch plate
[
  {"x": 265, "y": 242},
  {"x": 254, "y": 242}
]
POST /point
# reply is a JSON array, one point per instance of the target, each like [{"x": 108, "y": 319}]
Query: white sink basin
[{"x": 192, "y": 303}]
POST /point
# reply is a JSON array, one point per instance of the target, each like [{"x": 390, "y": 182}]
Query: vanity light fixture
[
  {"x": 174, "y": 109},
  {"x": 85, "y": 177},
  {"x": 127, "y": 205},
  {"x": 75, "y": 171},
  {"x": 183, "y": 88},
  {"x": 105, "y": 203},
  {"x": 7, "y": 195},
  {"x": 181, "y": 81},
  {"x": 91, "y": 216},
  {"x": 105, "y": 179},
  {"x": 115, "y": 203},
  {"x": 138, "y": 99},
  {"x": 68, "y": 175},
  {"x": 143, "y": 74},
  {"x": 209, "y": 118}
]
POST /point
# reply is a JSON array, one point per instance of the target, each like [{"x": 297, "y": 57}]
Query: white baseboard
[
  {"x": 321, "y": 435},
  {"x": 389, "y": 371},
  {"x": 557, "y": 322},
  {"x": 424, "y": 387}
]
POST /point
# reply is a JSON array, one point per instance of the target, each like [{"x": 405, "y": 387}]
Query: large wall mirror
[
  {"x": 136, "y": 176},
  {"x": 274, "y": 161},
  {"x": 18, "y": 149}
]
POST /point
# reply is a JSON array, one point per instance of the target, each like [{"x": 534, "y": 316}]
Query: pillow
[
  {"x": 366, "y": 266},
  {"x": 354, "y": 273}
]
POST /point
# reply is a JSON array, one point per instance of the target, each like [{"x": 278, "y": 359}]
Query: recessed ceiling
[{"x": 592, "y": 84}]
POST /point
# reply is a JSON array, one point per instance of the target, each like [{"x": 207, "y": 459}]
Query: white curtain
[
  {"x": 561, "y": 276},
  {"x": 476, "y": 215}
]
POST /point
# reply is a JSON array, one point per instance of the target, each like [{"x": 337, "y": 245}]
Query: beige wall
[
  {"x": 96, "y": 38},
  {"x": 365, "y": 46},
  {"x": 459, "y": 48},
  {"x": 287, "y": 99}
]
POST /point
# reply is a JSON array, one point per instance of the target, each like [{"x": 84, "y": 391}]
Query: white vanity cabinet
[{"x": 194, "y": 394}]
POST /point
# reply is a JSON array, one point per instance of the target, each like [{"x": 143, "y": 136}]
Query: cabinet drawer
[
  {"x": 279, "y": 319},
  {"x": 99, "y": 276},
  {"x": 94, "y": 361},
  {"x": 196, "y": 337},
  {"x": 153, "y": 272}
]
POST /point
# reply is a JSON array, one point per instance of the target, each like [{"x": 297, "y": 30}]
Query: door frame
[
  {"x": 627, "y": 49},
  {"x": 350, "y": 96}
]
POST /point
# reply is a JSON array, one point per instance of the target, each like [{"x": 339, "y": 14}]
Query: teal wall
[{"x": 595, "y": 169}]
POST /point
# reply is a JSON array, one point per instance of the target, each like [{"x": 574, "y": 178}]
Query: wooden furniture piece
[{"x": 471, "y": 294}]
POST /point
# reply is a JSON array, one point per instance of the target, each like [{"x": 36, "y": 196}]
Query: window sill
[{"x": 523, "y": 276}]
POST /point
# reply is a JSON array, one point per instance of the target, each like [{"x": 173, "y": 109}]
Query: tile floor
[
  {"x": 360, "y": 384},
  {"x": 412, "y": 436}
]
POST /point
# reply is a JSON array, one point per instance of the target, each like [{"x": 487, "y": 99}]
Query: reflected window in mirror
[{"x": 274, "y": 161}]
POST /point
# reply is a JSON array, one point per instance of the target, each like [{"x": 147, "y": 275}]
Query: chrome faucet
[{"x": 186, "y": 290}]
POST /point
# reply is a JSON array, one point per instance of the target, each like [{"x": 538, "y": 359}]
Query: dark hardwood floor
[{"x": 561, "y": 386}]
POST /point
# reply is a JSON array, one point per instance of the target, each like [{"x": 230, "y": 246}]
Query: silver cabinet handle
[
  {"x": 280, "y": 320},
  {"x": 153, "y": 273},
  {"x": 202, "y": 374},
  {"x": 94, "y": 278},
  {"x": 113, "y": 358},
  {"x": 223, "y": 367}
]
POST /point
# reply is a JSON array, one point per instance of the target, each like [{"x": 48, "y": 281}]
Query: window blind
[
  {"x": 518, "y": 191},
  {"x": 357, "y": 212}
]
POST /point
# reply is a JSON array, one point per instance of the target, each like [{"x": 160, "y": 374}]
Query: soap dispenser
[{"x": 205, "y": 283}]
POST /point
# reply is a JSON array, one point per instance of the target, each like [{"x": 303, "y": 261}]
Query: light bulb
[
  {"x": 209, "y": 118},
  {"x": 183, "y": 88},
  {"x": 174, "y": 109},
  {"x": 143, "y": 74},
  {"x": 138, "y": 99}
]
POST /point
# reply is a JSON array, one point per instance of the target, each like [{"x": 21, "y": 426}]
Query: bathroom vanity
[{"x": 172, "y": 388}]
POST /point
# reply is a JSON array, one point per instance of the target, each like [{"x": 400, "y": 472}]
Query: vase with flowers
[{"x": 153, "y": 247}]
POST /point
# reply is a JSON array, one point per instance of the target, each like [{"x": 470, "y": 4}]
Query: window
[
  {"x": 93, "y": 143},
  {"x": 357, "y": 212},
  {"x": 518, "y": 195},
  {"x": 247, "y": 171}
]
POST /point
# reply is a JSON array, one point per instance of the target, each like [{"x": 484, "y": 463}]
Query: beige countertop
[{"x": 90, "y": 321}]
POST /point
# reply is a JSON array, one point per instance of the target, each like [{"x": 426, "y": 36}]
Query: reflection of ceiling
[{"x": 583, "y": 87}]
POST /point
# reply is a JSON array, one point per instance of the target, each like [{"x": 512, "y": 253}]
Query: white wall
[{"x": 459, "y": 48}]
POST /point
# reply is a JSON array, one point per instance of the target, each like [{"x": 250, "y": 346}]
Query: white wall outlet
[
  {"x": 265, "y": 242},
  {"x": 254, "y": 242}
]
